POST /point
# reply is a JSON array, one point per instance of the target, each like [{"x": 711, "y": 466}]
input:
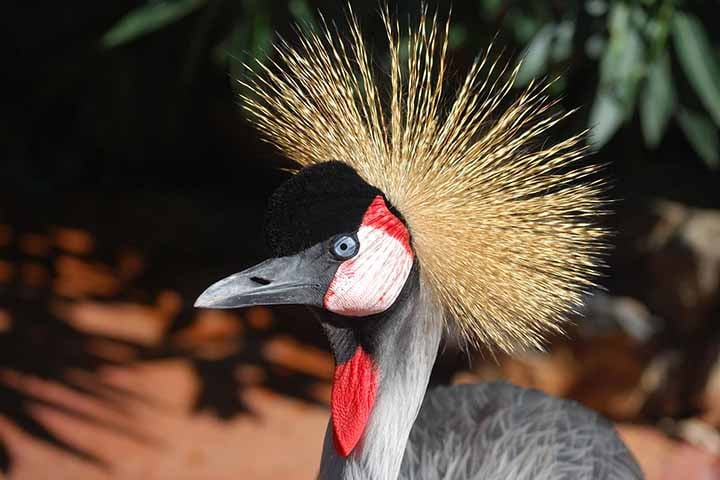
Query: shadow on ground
[{"x": 89, "y": 283}]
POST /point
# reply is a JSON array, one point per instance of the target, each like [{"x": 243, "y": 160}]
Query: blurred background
[{"x": 131, "y": 181}]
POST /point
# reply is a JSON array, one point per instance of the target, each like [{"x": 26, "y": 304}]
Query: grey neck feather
[{"x": 405, "y": 359}]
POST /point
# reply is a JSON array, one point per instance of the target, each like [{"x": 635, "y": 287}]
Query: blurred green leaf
[
  {"x": 490, "y": 8},
  {"x": 524, "y": 26},
  {"x": 699, "y": 60},
  {"x": 622, "y": 63},
  {"x": 638, "y": 16},
  {"x": 457, "y": 36},
  {"x": 619, "y": 18},
  {"x": 262, "y": 36},
  {"x": 702, "y": 134},
  {"x": 596, "y": 7},
  {"x": 151, "y": 17},
  {"x": 301, "y": 11},
  {"x": 251, "y": 40},
  {"x": 535, "y": 57},
  {"x": 657, "y": 100},
  {"x": 620, "y": 72},
  {"x": 563, "y": 41},
  {"x": 594, "y": 46},
  {"x": 606, "y": 116}
]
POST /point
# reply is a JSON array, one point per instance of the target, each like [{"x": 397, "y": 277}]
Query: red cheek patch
[
  {"x": 353, "y": 395},
  {"x": 378, "y": 216},
  {"x": 370, "y": 282}
]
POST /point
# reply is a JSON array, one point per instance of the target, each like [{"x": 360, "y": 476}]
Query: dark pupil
[{"x": 344, "y": 247}]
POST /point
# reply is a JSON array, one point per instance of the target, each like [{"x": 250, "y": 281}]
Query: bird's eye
[{"x": 344, "y": 246}]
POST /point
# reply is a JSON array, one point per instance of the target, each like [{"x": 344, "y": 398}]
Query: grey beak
[{"x": 295, "y": 279}]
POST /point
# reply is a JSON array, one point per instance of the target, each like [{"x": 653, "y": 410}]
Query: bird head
[
  {"x": 338, "y": 243},
  {"x": 342, "y": 248}
]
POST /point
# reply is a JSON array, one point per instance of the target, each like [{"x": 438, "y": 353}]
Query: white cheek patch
[{"x": 371, "y": 281}]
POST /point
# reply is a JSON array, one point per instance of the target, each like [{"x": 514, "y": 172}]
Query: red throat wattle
[{"x": 353, "y": 395}]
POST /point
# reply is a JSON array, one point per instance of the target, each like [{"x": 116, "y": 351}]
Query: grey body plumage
[{"x": 500, "y": 431}]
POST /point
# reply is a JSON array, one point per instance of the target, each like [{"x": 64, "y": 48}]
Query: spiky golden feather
[{"x": 501, "y": 222}]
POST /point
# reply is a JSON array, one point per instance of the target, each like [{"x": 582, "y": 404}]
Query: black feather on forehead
[{"x": 317, "y": 203}]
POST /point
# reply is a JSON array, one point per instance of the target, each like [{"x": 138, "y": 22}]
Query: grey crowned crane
[{"x": 412, "y": 214}]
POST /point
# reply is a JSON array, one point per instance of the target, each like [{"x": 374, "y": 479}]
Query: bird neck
[{"x": 405, "y": 347}]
